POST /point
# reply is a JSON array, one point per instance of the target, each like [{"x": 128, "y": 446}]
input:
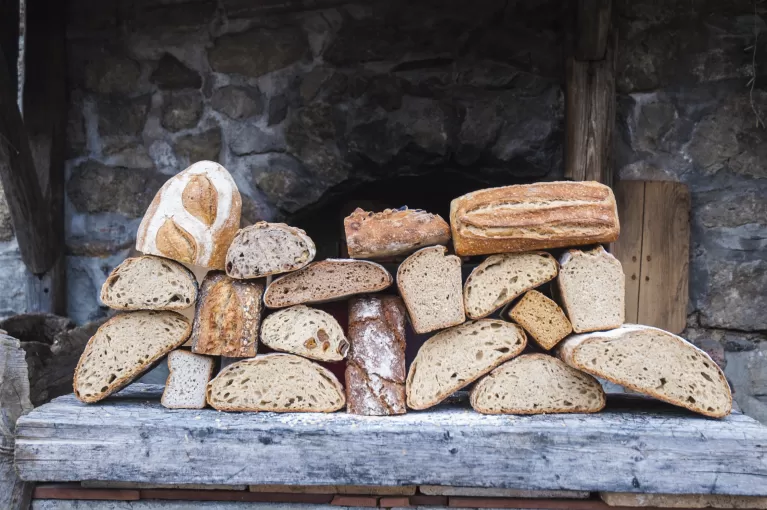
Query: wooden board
[
  {"x": 628, "y": 247},
  {"x": 627, "y": 448}
]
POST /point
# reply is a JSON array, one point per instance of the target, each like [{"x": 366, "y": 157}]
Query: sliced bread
[
  {"x": 327, "y": 280},
  {"x": 591, "y": 285},
  {"x": 123, "y": 348},
  {"x": 305, "y": 331},
  {"x": 542, "y": 318},
  {"x": 149, "y": 283},
  {"x": 654, "y": 362},
  {"x": 499, "y": 279},
  {"x": 278, "y": 383},
  {"x": 265, "y": 249},
  {"x": 537, "y": 384},
  {"x": 429, "y": 282},
  {"x": 454, "y": 358},
  {"x": 189, "y": 376}
]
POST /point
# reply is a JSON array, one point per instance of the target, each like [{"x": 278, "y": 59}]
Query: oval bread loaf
[
  {"x": 266, "y": 249},
  {"x": 149, "y": 283},
  {"x": 305, "y": 331}
]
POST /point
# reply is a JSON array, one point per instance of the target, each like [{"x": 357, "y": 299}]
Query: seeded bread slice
[
  {"x": 454, "y": 358},
  {"x": 654, "y": 362},
  {"x": 278, "y": 383},
  {"x": 305, "y": 331},
  {"x": 537, "y": 384},
  {"x": 265, "y": 249},
  {"x": 429, "y": 282},
  {"x": 543, "y": 320},
  {"x": 149, "y": 283},
  {"x": 188, "y": 378},
  {"x": 123, "y": 348}
]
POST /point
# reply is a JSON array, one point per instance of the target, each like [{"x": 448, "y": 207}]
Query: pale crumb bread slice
[
  {"x": 591, "y": 285},
  {"x": 327, "y": 280},
  {"x": 456, "y": 357},
  {"x": 500, "y": 279},
  {"x": 149, "y": 283},
  {"x": 123, "y": 348},
  {"x": 266, "y": 249},
  {"x": 537, "y": 384},
  {"x": 654, "y": 362},
  {"x": 429, "y": 282},
  {"x": 278, "y": 383},
  {"x": 305, "y": 331},
  {"x": 189, "y": 376},
  {"x": 542, "y": 318}
]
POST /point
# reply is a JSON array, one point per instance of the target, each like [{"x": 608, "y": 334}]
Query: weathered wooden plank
[
  {"x": 79, "y": 504},
  {"x": 592, "y": 29},
  {"x": 630, "y": 196}
]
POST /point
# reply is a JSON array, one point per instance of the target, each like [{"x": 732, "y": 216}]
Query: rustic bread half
[
  {"x": 327, "y": 280},
  {"x": 189, "y": 376},
  {"x": 542, "y": 318},
  {"x": 123, "y": 348},
  {"x": 265, "y": 249},
  {"x": 149, "y": 283},
  {"x": 452, "y": 359},
  {"x": 429, "y": 282},
  {"x": 305, "y": 331},
  {"x": 499, "y": 279},
  {"x": 537, "y": 384},
  {"x": 278, "y": 383},
  {"x": 654, "y": 362},
  {"x": 591, "y": 285}
]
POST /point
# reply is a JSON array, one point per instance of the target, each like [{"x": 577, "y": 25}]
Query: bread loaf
[
  {"x": 193, "y": 218},
  {"x": 227, "y": 317},
  {"x": 189, "y": 376},
  {"x": 543, "y": 320},
  {"x": 533, "y": 217},
  {"x": 305, "y": 331},
  {"x": 375, "y": 370},
  {"x": 266, "y": 249}
]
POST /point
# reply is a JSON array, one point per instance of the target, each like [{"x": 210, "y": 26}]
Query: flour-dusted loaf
[
  {"x": 592, "y": 288},
  {"x": 536, "y": 216},
  {"x": 228, "y": 316},
  {"x": 654, "y": 362},
  {"x": 123, "y": 348},
  {"x": 193, "y": 218},
  {"x": 371, "y": 235},
  {"x": 429, "y": 281},
  {"x": 188, "y": 378},
  {"x": 375, "y": 370},
  {"x": 542, "y": 318},
  {"x": 500, "y": 279},
  {"x": 536, "y": 384},
  {"x": 305, "y": 331},
  {"x": 278, "y": 383},
  {"x": 266, "y": 249},
  {"x": 327, "y": 280},
  {"x": 452, "y": 359},
  {"x": 149, "y": 283}
]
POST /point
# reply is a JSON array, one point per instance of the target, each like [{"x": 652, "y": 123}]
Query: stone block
[
  {"x": 628, "y": 499},
  {"x": 205, "y": 145},
  {"x": 258, "y": 51},
  {"x": 237, "y": 102},
  {"x": 181, "y": 109},
  {"x": 171, "y": 73}
]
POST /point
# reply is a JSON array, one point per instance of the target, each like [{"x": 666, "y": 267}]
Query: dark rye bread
[
  {"x": 149, "y": 283},
  {"x": 266, "y": 249}
]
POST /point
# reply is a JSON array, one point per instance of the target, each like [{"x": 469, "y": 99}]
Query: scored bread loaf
[
  {"x": 536, "y": 384},
  {"x": 591, "y": 285},
  {"x": 429, "y": 282},
  {"x": 123, "y": 348},
  {"x": 542, "y": 318},
  {"x": 305, "y": 331},
  {"x": 149, "y": 283},
  {"x": 327, "y": 280},
  {"x": 654, "y": 362},
  {"x": 193, "y": 218},
  {"x": 536, "y": 216},
  {"x": 265, "y": 249},
  {"x": 456, "y": 357},
  {"x": 278, "y": 383},
  {"x": 499, "y": 279},
  {"x": 392, "y": 232},
  {"x": 188, "y": 378}
]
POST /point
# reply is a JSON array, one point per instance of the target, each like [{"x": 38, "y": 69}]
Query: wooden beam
[{"x": 592, "y": 29}]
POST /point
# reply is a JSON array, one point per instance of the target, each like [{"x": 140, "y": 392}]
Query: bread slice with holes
[
  {"x": 654, "y": 362},
  {"x": 149, "y": 283},
  {"x": 187, "y": 381},
  {"x": 307, "y": 332},
  {"x": 276, "y": 382},
  {"x": 123, "y": 348},
  {"x": 456, "y": 357},
  {"x": 500, "y": 279},
  {"x": 542, "y": 318},
  {"x": 266, "y": 249},
  {"x": 537, "y": 384}
]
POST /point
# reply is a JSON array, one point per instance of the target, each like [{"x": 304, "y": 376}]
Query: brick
[
  {"x": 294, "y": 489},
  {"x": 394, "y": 501},
  {"x": 683, "y": 500},
  {"x": 517, "y": 503},
  {"x": 98, "y": 484},
  {"x": 366, "y": 501},
  {"x": 75, "y": 491},
  {"x": 426, "y": 500},
  {"x": 486, "y": 492},
  {"x": 358, "y": 490},
  {"x": 253, "y": 497}
]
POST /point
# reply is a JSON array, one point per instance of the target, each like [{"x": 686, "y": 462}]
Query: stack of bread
[{"x": 570, "y": 306}]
